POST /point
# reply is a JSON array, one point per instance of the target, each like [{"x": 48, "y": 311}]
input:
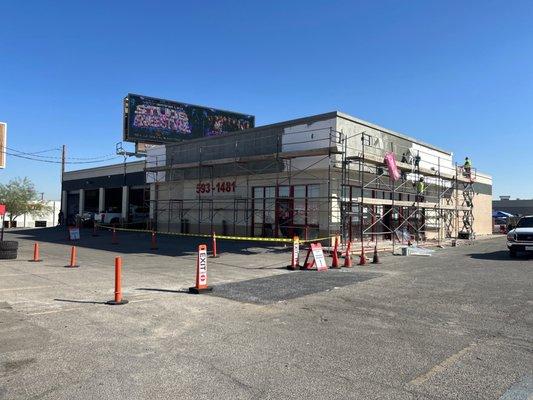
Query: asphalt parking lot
[{"x": 457, "y": 325}]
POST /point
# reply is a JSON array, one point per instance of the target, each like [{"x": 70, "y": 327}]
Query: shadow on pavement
[
  {"x": 140, "y": 242},
  {"x": 81, "y": 301},
  {"x": 163, "y": 290},
  {"x": 501, "y": 255}
]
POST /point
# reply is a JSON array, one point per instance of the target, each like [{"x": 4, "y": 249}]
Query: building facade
[
  {"x": 517, "y": 207},
  {"x": 313, "y": 177},
  {"x": 114, "y": 188},
  {"x": 50, "y": 218}
]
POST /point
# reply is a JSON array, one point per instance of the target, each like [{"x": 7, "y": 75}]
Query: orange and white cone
[
  {"x": 362, "y": 258},
  {"x": 348, "y": 256},
  {"x": 201, "y": 272},
  {"x": 335, "y": 262},
  {"x": 114, "y": 238},
  {"x": 295, "y": 255},
  {"x": 375, "y": 259},
  {"x": 36, "y": 253},
  {"x": 73, "y": 263},
  {"x": 153, "y": 245},
  {"x": 118, "y": 300}
]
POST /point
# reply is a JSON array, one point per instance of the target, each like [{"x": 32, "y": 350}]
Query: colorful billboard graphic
[{"x": 152, "y": 120}]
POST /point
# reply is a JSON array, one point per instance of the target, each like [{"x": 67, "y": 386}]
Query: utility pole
[{"x": 63, "y": 159}]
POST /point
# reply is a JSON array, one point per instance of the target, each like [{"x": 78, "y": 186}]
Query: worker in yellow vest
[
  {"x": 420, "y": 189},
  {"x": 467, "y": 167}
]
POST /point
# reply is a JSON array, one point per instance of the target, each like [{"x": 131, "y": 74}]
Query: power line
[
  {"x": 26, "y": 157},
  {"x": 36, "y": 156},
  {"x": 45, "y": 151}
]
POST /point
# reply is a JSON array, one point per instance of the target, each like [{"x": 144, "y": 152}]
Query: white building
[{"x": 31, "y": 221}]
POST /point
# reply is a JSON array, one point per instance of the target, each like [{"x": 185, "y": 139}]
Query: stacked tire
[{"x": 8, "y": 250}]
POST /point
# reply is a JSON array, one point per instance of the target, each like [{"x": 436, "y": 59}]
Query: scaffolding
[{"x": 327, "y": 184}]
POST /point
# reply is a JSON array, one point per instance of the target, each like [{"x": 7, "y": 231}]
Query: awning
[{"x": 501, "y": 214}]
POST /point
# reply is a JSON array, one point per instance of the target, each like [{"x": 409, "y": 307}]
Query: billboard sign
[
  {"x": 152, "y": 120},
  {"x": 3, "y": 144}
]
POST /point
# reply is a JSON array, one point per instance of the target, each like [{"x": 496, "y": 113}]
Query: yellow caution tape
[{"x": 222, "y": 237}]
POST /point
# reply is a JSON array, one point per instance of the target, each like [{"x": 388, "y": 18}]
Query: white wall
[
  {"x": 28, "y": 221},
  {"x": 317, "y": 135},
  {"x": 155, "y": 157}
]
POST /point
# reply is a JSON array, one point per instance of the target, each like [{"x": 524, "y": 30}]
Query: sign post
[
  {"x": 3, "y": 214},
  {"x": 295, "y": 258},
  {"x": 201, "y": 272},
  {"x": 74, "y": 233},
  {"x": 318, "y": 255}
]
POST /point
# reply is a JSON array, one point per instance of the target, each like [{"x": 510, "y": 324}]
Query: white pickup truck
[
  {"x": 520, "y": 237},
  {"x": 108, "y": 217}
]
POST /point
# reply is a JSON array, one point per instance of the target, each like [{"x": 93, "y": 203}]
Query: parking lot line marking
[
  {"x": 441, "y": 366},
  {"x": 25, "y": 288},
  {"x": 54, "y": 311},
  {"x": 36, "y": 273},
  {"x": 139, "y": 300}
]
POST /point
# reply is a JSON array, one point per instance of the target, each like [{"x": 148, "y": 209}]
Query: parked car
[
  {"x": 520, "y": 237},
  {"x": 87, "y": 219},
  {"x": 112, "y": 216}
]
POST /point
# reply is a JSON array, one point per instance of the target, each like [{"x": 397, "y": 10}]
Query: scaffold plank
[
  {"x": 404, "y": 203},
  {"x": 323, "y": 151}
]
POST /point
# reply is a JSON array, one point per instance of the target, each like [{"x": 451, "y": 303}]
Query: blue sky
[{"x": 458, "y": 74}]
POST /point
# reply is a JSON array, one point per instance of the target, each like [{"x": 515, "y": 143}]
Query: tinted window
[{"x": 525, "y": 223}]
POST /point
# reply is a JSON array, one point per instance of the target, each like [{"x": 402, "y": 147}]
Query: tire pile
[{"x": 8, "y": 250}]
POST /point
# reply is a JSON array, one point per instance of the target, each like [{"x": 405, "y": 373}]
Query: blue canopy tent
[{"x": 501, "y": 214}]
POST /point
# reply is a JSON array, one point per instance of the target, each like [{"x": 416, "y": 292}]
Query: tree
[{"x": 20, "y": 197}]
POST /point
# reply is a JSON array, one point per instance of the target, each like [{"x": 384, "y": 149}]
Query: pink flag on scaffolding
[{"x": 390, "y": 160}]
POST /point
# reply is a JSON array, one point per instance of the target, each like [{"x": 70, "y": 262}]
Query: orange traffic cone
[
  {"x": 308, "y": 264},
  {"x": 362, "y": 258},
  {"x": 348, "y": 256},
  {"x": 72, "y": 258},
  {"x": 335, "y": 262},
  {"x": 153, "y": 245},
  {"x": 201, "y": 272},
  {"x": 114, "y": 239},
  {"x": 375, "y": 259},
  {"x": 36, "y": 253},
  {"x": 214, "y": 241},
  {"x": 118, "y": 300}
]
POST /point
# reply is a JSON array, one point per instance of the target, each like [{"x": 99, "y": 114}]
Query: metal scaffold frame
[{"x": 357, "y": 198}]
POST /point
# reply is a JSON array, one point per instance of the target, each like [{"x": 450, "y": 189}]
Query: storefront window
[
  {"x": 258, "y": 192},
  {"x": 313, "y": 204},
  {"x": 296, "y": 207},
  {"x": 299, "y": 192},
  {"x": 299, "y": 205},
  {"x": 284, "y": 191}
]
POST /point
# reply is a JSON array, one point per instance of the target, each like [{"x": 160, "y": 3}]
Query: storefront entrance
[{"x": 286, "y": 211}]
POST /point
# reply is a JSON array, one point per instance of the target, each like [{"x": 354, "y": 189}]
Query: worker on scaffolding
[
  {"x": 467, "y": 167},
  {"x": 417, "y": 160},
  {"x": 406, "y": 159},
  {"x": 420, "y": 189}
]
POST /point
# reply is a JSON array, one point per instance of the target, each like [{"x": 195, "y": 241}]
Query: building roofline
[
  {"x": 321, "y": 117},
  {"x": 302, "y": 120},
  {"x": 102, "y": 167},
  {"x": 390, "y": 132}
]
